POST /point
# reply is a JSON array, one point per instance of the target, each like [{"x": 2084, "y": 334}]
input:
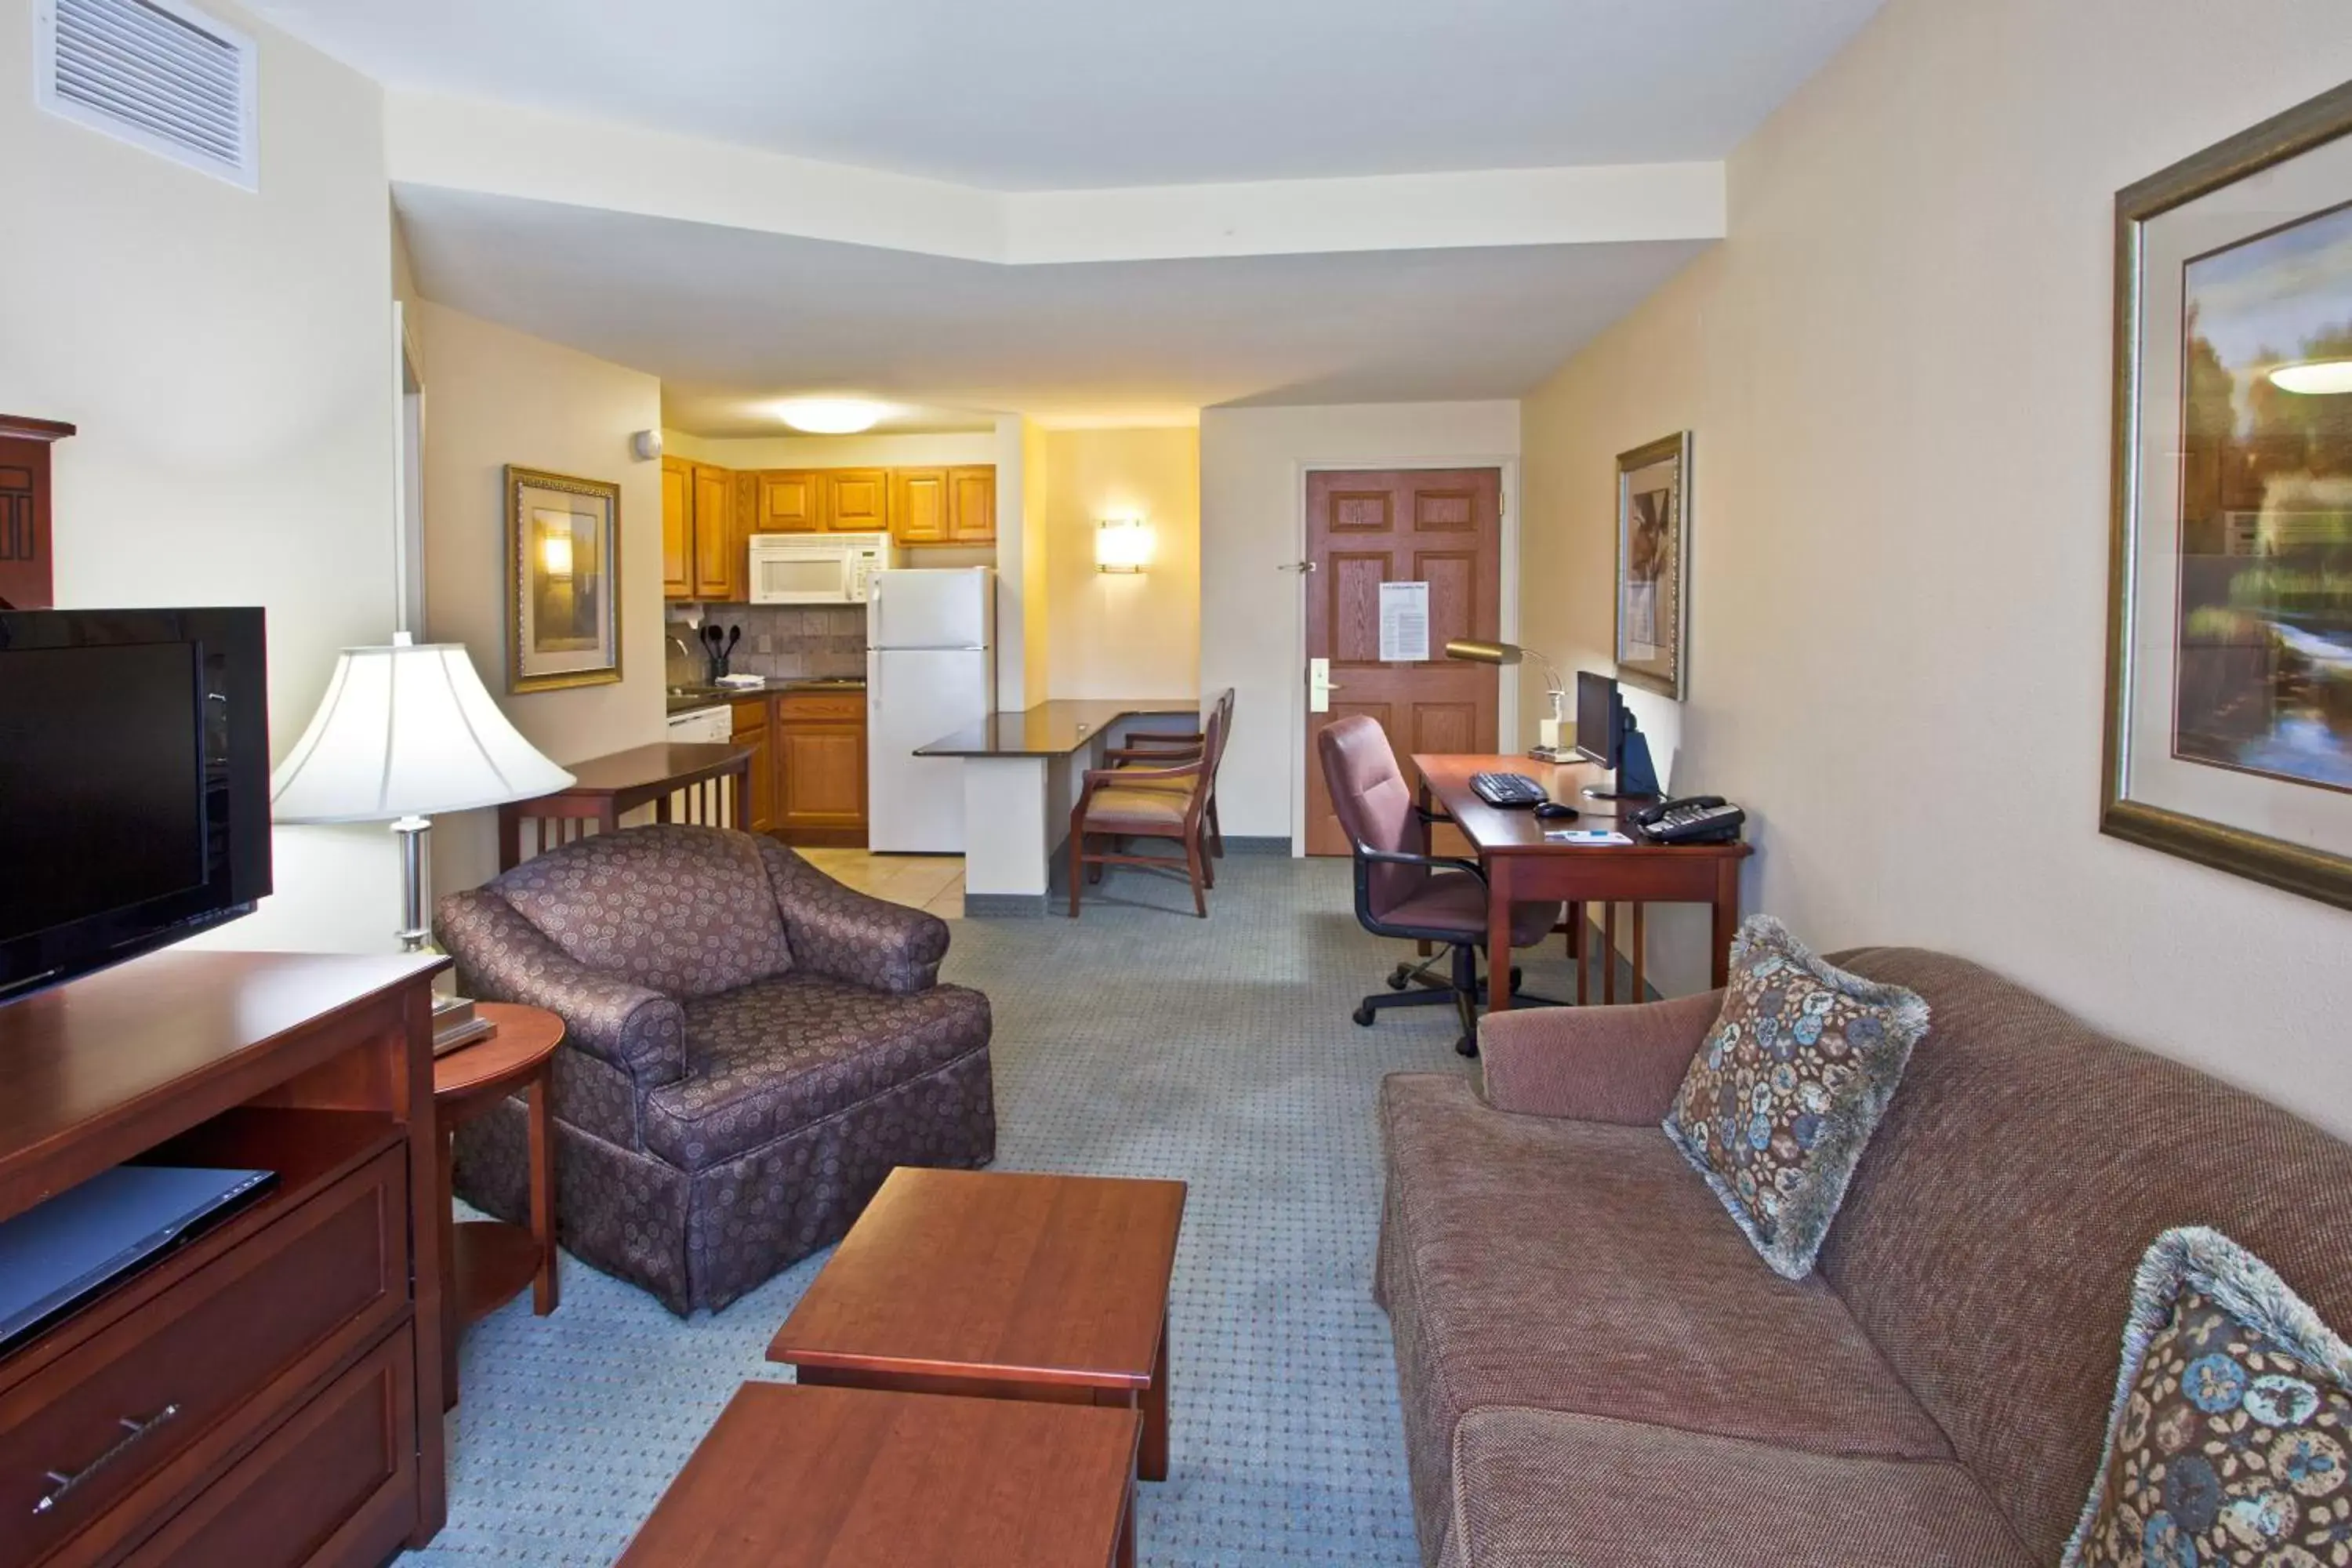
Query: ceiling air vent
[{"x": 154, "y": 73}]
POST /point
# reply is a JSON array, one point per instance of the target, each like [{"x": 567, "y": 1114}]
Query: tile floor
[{"x": 933, "y": 882}]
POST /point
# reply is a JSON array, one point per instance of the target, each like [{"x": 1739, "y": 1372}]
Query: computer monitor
[{"x": 1607, "y": 737}]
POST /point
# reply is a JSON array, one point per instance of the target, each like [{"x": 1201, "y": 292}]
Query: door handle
[{"x": 1302, "y": 567}]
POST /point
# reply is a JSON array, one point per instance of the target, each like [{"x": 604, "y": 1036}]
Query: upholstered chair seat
[{"x": 749, "y": 1047}]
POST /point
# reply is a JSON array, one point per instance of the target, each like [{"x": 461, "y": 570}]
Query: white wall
[
  {"x": 1898, "y": 371},
  {"x": 227, "y": 357},
  {"x": 945, "y": 449},
  {"x": 1120, "y": 634},
  {"x": 1254, "y": 463},
  {"x": 495, "y": 397}
]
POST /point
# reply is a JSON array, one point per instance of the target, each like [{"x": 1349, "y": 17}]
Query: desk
[
  {"x": 1022, "y": 773},
  {"x": 708, "y": 779},
  {"x": 1523, "y": 866}
]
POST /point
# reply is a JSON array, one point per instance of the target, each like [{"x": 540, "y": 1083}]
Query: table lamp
[
  {"x": 1548, "y": 748},
  {"x": 404, "y": 732}
]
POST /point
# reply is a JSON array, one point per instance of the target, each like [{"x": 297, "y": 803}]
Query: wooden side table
[{"x": 486, "y": 1263}]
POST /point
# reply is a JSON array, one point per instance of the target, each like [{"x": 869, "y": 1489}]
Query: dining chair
[
  {"x": 1169, "y": 801},
  {"x": 1161, "y": 748}
]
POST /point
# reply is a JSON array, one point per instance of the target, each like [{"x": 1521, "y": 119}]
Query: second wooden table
[{"x": 1002, "y": 1284}]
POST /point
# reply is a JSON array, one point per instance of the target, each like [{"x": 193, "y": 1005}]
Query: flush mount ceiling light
[
  {"x": 830, "y": 416},
  {"x": 2315, "y": 377}
]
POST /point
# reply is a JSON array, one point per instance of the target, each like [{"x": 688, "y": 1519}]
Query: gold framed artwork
[
  {"x": 2229, "y": 713},
  {"x": 563, "y": 577},
  {"x": 1652, "y": 554}
]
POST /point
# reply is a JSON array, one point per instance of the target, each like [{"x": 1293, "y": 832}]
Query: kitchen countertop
[
  {"x": 686, "y": 699},
  {"x": 1050, "y": 729}
]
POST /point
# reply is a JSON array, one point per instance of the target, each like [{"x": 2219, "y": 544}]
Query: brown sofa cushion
[
  {"x": 777, "y": 1055},
  {"x": 1563, "y": 1491},
  {"x": 1990, "y": 1239},
  {"x": 1580, "y": 1266},
  {"x": 686, "y": 912}
]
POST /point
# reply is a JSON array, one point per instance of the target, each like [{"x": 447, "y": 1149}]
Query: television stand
[{"x": 270, "y": 1391}]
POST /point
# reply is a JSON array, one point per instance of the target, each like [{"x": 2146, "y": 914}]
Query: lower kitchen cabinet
[
  {"x": 818, "y": 743},
  {"x": 752, "y": 731}
]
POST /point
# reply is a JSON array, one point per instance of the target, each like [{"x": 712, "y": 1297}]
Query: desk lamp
[
  {"x": 404, "y": 732},
  {"x": 1548, "y": 748}
]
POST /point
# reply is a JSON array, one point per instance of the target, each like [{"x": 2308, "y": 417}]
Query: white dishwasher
[{"x": 702, "y": 726}]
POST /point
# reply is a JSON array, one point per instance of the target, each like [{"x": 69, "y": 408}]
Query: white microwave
[{"x": 815, "y": 568}]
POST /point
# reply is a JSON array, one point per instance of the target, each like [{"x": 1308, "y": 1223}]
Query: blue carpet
[{"x": 1135, "y": 1041}]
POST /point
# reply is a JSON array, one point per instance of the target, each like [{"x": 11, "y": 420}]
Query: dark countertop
[
  {"x": 685, "y": 699},
  {"x": 1050, "y": 729}
]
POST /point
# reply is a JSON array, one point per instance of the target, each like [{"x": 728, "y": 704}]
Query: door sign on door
[{"x": 1404, "y": 623}]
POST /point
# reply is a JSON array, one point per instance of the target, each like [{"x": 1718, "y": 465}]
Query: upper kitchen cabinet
[
  {"x": 972, "y": 504},
  {"x": 857, "y": 501},
  {"x": 702, "y": 551},
  {"x": 790, "y": 502},
  {"x": 919, "y": 506},
  {"x": 678, "y": 529},
  {"x": 718, "y": 562}
]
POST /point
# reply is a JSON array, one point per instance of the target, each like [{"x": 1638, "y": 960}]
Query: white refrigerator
[{"x": 931, "y": 670}]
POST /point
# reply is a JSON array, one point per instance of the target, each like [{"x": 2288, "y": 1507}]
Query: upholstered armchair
[{"x": 749, "y": 1047}]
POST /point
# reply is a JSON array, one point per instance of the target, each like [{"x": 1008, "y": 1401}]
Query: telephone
[{"x": 1692, "y": 819}]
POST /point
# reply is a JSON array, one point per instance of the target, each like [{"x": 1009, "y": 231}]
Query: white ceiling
[
  {"x": 1049, "y": 94},
  {"x": 731, "y": 318}
]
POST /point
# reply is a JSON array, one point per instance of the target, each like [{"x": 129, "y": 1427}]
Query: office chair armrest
[
  {"x": 1620, "y": 1065},
  {"x": 1430, "y": 818},
  {"x": 1368, "y": 856}
]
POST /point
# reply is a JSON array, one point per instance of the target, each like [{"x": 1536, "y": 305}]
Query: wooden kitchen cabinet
[
  {"x": 919, "y": 506},
  {"x": 791, "y": 502},
  {"x": 972, "y": 504},
  {"x": 752, "y": 733},
  {"x": 857, "y": 501},
  {"x": 678, "y": 529},
  {"x": 818, "y": 743},
  {"x": 702, "y": 550}
]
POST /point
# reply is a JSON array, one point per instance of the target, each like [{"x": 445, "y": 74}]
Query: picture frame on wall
[
  {"x": 2229, "y": 699},
  {"x": 563, "y": 577},
  {"x": 1652, "y": 565}
]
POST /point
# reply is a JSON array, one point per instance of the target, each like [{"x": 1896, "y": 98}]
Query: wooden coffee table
[
  {"x": 1004, "y": 1285},
  {"x": 846, "y": 1478}
]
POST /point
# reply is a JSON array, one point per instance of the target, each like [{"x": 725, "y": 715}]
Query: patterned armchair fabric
[{"x": 749, "y": 1048}]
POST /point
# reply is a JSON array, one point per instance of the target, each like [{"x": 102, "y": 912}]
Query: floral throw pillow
[
  {"x": 2230, "y": 1441},
  {"x": 1782, "y": 1097}
]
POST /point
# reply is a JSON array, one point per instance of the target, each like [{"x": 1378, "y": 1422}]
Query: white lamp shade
[{"x": 406, "y": 730}]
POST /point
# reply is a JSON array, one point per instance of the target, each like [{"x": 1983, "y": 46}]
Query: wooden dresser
[{"x": 268, "y": 1393}]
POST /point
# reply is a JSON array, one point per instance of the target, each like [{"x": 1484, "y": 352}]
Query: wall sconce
[{"x": 1122, "y": 544}]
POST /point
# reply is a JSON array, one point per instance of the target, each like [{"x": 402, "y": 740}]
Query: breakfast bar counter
[{"x": 1022, "y": 774}]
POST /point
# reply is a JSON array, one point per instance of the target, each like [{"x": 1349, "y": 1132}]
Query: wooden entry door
[{"x": 1439, "y": 526}]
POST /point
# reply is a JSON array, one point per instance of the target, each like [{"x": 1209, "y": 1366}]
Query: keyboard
[{"x": 1507, "y": 789}]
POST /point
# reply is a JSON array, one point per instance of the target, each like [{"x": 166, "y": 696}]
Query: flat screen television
[{"x": 134, "y": 783}]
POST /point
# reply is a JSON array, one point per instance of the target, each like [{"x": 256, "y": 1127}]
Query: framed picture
[
  {"x": 1653, "y": 551},
  {"x": 563, "y": 577},
  {"x": 2229, "y": 723}
]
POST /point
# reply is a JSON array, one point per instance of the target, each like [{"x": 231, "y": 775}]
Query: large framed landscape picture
[{"x": 2230, "y": 678}]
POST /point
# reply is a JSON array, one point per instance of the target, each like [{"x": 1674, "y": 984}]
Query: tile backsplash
[{"x": 782, "y": 641}]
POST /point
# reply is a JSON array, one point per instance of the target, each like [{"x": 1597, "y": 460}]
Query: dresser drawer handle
[{"x": 132, "y": 1431}]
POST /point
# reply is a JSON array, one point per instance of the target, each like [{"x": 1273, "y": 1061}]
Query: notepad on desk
[{"x": 1584, "y": 835}]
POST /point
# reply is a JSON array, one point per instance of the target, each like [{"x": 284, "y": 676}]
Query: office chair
[{"x": 1404, "y": 892}]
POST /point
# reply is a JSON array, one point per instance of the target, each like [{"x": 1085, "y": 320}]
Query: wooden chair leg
[
  {"x": 1609, "y": 954},
  {"x": 1193, "y": 861},
  {"x": 1077, "y": 866},
  {"x": 1208, "y": 858},
  {"x": 1216, "y": 829}
]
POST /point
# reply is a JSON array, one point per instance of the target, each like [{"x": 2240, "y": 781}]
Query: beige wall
[
  {"x": 1254, "y": 463},
  {"x": 1022, "y": 495},
  {"x": 1115, "y": 634},
  {"x": 494, "y": 397},
  {"x": 1896, "y": 368},
  {"x": 227, "y": 356}
]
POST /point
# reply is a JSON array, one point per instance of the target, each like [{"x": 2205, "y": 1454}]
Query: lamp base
[{"x": 415, "y": 934}]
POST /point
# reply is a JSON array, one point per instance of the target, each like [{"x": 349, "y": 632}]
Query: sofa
[
  {"x": 1597, "y": 1370},
  {"x": 749, "y": 1047}
]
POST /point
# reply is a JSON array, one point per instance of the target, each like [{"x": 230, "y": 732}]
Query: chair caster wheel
[
  {"x": 1400, "y": 977},
  {"x": 1467, "y": 1046},
  {"x": 1363, "y": 1017}
]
